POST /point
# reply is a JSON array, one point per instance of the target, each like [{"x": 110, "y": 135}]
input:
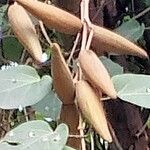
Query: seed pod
[
  {"x": 62, "y": 79},
  {"x": 52, "y": 16},
  {"x": 103, "y": 39},
  {"x": 107, "y": 41},
  {"x": 92, "y": 109},
  {"x": 96, "y": 73},
  {"x": 25, "y": 30}
]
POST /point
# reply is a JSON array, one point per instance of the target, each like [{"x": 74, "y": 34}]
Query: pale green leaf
[
  {"x": 22, "y": 86},
  {"x": 133, "y": 88},
  {"x": 62, "y": 133},
  {"x": 112, "y": 68},
  {"x": 49, "y": 106},
  {"x": 131, "y": 30},
  {"x": 35, "y": 135}
]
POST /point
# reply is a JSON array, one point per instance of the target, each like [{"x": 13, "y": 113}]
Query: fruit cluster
[{"x": 87, "y": 91}]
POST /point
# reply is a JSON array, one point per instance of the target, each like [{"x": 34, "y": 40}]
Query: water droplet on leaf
[
  {"x": 47, "y": 108},
  {"x": 45, "y": 139},
  {"x": 148, "y": 90},
  {"x": 56, "y": 138},
  {"x": 14, "y": 80},
  {"x": 31, "y": 134},
  {"x": 11, "y": 133}
]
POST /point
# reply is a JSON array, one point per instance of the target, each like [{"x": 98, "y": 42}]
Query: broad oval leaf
[
  {"x": 22, "y": 86},
  {"x": 49, "y": 106},
  {"x": 131, "y": 30},
  {"x": 35, "y": 135},
  {"x": 133, "y": 88}
]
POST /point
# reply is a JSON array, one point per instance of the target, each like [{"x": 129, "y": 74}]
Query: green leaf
[
  {"x": 12, "y": 49},
  {"x": 131, "y": 30},
  {"x": 39, "y": 116},
  {"x": 49, "y": 106},
  {"x": 26, "y": 135},
  {"x": 133, "y": 68},
  {"x": 4, "y": 25},
  {"x": 63, "y": 132},
  {"x": 133, "y": 88},
  {"x": 147, "y": 2},
  {"x": 126, "y": 18},
  {"x": 112, "y": 68},
  {"x": 35, "y": 135},
  {"x": 22, "y": 86},
  {"x": 2, "y": 13}
]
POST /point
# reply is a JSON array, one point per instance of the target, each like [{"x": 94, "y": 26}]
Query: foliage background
[{"x": 127, "y": 119}]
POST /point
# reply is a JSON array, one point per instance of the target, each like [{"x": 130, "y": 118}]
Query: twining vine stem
[
  {"x": 74, "y": 48},
  {"x": 87, "y": 35},
  {"x": 142, "y": 13}
]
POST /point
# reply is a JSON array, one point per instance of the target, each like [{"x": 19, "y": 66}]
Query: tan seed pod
[
  {"x": 24, "y": 30},
  {"x": 52, "y": 16},
  {"x": 107, "y": 41},
  {"x": 92, "y": 109},
  {"x": 96, "y": 73},
  {"x": 62, "y": 79},
  {"x": 62, "y": 21}
]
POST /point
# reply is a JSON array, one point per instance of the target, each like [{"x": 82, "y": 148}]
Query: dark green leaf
[
  {"x": 147, "y": 2},
  {"x": 3, "y": 1},
  {"x": 12, "y": 49}
]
